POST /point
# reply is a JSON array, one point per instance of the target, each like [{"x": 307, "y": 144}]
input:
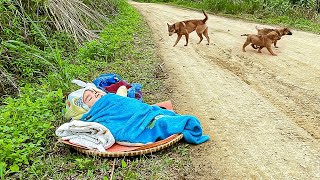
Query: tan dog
[
  {"x": 261, "y": 41},
  {"x": 188, "y": 26},
  {"x": 281, "y": 32}
]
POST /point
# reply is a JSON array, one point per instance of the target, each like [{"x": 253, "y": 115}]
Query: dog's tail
[
  {"x": 245, "y": 35},
  {"x": 206, "y": 17}
]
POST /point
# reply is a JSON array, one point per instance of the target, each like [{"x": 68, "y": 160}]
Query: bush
[
  {"x": 41, "y": 62},
  {"x": 25, "y": 124}
]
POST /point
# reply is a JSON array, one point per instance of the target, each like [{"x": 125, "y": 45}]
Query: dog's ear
[
  {"x": 168, "y": 24},
  {"x": 278, "y": 32}
]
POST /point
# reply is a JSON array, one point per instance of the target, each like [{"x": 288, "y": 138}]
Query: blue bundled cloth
[
  {"x": 130, "y": 120},
  {"x": 105, "y": 80}
]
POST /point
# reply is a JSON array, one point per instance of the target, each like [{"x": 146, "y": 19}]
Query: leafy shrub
[
  {"x": 26, "y": 125},
  {"x": 29, "y": 121}
]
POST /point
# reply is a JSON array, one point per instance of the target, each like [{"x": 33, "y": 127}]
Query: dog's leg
[
  {"x": 275, "y": 44},
  {"x": 259, "y": 50},
  {"x": 187, "y": 39},
  {"x": 270, "y": 50},
  {"x": 245, "y": 45},
  {"x": 200, "y": 36},
  {"x": 205, "y": 33},
  {"x": 178, "y": 39}
]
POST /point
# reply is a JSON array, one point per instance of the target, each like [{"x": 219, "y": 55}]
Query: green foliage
[
  {"x": 24, "y": 126},
  {"x": 116, "y": 36},
  {"x": 30, "y": 63},
  {"x": 84, "y": 163},
  {"x": 30, "y": 50},
  {"x": 47, "y": 62}
]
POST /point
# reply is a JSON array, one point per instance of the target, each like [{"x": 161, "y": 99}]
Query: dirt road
[{"x": 262, "y": 111}]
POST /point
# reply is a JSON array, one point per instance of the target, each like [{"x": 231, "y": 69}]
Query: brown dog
[
  {"x": 188, "y": 26},
  {"x": 261, "y": 41},
  {"x": 281, "y": 32}
]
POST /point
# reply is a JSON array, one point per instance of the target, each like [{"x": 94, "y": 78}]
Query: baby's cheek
[{"x": 89, "y": 104}]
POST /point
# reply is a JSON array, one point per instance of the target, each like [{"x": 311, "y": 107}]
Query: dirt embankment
[{"x": 262, "y": 111}]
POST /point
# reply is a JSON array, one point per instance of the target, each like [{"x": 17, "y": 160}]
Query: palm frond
[{"x": 76, "y": 18}]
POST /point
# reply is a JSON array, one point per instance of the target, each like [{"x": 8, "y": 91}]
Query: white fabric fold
[{"x": 91, "y": 135}]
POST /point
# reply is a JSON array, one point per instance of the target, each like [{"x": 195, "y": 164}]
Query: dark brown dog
[
  {"x": 188, "y": 26},
  {"x": 261, "y": 41},
  {"x": 281, "y": 32}
]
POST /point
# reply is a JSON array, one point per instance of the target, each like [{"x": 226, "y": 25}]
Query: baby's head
[
  {"x": 81, "y": 101},
  {"x": 90, "y": 96}
]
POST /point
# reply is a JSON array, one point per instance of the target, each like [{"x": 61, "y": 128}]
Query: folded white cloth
[{"x": 88, "y": 134}]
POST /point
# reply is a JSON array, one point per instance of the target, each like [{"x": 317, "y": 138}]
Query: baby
[
  {"x": 90, "y": 96},
  {"x": 77, "y": 106},
  {"x": 132, "y": 121}
]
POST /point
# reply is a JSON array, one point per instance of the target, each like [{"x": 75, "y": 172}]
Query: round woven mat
[{"x": 143, "y": 150}]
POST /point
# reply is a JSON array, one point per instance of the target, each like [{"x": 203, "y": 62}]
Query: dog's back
[
  {"x": 280, "y": 31},
  {"x": 194, "y": 23},
  {"x": 188, "y": 26},
  {"x": 264, "y": 31}
]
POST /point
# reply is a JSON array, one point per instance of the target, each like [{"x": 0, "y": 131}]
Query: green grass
[{"x": 28, "y": 122}]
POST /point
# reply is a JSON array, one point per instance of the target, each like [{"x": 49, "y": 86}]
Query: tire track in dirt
[
  {"x": 248, "y": 102},
  {"x": 300, "y": 104}
]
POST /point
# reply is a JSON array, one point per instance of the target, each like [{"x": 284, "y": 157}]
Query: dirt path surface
[{"x": 262, "y": 111}]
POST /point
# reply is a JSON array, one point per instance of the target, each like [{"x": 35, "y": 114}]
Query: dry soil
[{"x": 261, "y": 111}]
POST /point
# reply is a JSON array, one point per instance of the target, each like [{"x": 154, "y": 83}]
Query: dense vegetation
[
  {"x": 40, "y": 55},
  {"x": 300, "y": 14}
]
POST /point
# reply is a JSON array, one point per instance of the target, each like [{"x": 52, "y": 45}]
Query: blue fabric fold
[{"x": 130, "y": 120}]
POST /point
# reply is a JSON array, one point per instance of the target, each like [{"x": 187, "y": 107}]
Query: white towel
[{"x": 88, "y": 134}]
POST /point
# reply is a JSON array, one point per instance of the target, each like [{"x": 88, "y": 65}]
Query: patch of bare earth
[{"x": 261, "y": 111}]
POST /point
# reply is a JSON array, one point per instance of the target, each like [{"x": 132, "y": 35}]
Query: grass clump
[{"x": 39, "y": 37}]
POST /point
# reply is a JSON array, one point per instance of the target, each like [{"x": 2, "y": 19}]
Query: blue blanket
[{"x": 133, "y": 121}]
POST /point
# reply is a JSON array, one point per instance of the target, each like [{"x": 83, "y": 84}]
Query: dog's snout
[
  {"x": 171, "y": 33},
  {"x": 289, "y": 33}
]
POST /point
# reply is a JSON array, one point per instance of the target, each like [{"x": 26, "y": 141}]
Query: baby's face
[{"x": 91, "y": 96}]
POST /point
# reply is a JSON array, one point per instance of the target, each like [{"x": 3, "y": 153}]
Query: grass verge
[{"x": 30, "y": 149}]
